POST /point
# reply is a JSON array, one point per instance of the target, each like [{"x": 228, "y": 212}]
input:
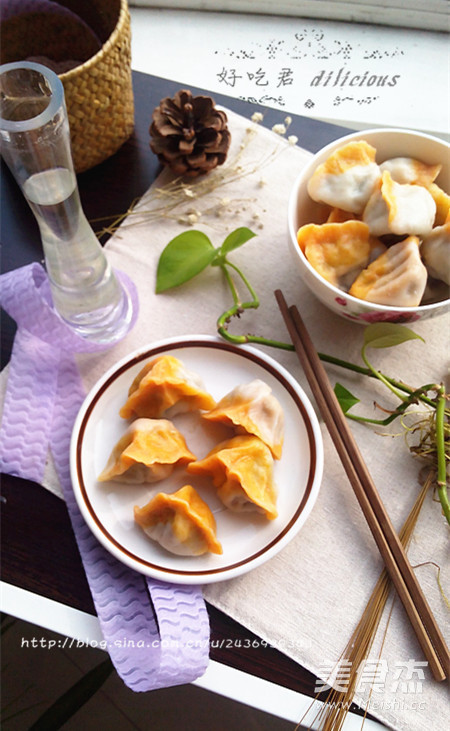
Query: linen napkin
[
  {"x": 156, "y": 633},
  {"x": 307, "y": 600}
]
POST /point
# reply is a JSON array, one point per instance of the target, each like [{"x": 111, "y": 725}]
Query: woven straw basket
[{"x": 98, "y": 91}]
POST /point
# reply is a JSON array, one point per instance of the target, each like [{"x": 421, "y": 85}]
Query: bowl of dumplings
[{"x": 369, "y": 226}]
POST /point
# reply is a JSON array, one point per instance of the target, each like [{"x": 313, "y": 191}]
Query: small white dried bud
[
  {"x": 189, "y": 193},
  {"x": 279, "y": 129},
  {"x": 224, "y": 202},
  {"x": 192, "y": 218},
  {"x": 288, "y": 121},
  {"x": 257, "y": 117},
  {"x": 292, "y": 139}
]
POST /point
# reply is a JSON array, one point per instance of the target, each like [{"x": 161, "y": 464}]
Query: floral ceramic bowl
[{"x": 302, "y": 210}]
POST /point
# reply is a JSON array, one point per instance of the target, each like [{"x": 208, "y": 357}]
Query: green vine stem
[
  {"x": 238, "y": 308},
  {"x": 374, "y": 374},
  {"x": 380, "y": 376},
  {"x": 440, "y": 448},
  {"x": 412, "y": 399}
]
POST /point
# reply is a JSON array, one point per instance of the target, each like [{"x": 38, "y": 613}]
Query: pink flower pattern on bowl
[
  {"x": 399, "y": 317},
  {"x": 341, "y": 301}
]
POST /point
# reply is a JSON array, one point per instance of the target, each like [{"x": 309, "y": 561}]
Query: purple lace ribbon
[{"x": 157, "y": 634}]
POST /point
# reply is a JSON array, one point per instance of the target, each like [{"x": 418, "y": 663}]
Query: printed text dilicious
[{"x": 345, "y": 77}]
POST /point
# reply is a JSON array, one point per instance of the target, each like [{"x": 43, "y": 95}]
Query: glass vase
[{"x": 35, "y": 144}]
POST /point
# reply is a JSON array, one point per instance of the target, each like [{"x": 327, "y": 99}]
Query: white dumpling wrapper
[
  {"x": 252, "y": 409},
  {"x": 402, "y": 209},
  {"x": 347, "y": 178},
  {"x": 397, "y": 278},
  {"x": 349, "y": 190},
  {"x": 410, "y": 171},
  {"x": 435, "y": 251},
  {"x": 163, "y": 533}
]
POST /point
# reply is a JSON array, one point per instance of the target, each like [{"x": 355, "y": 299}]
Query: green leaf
[
  {"x": 183, "y": 258},
  {"x": 388, "y": 334},
  {"x": 345, "y": 398},
  {"x": 235, "y": 239}
]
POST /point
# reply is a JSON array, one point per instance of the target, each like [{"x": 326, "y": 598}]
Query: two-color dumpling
[
  {"x": 241, "y": 469},
  {"x": 181, "y": 522},
  {"x": 165, "y": 387},
  {"x": 149, "y": 451},
  {"x": 399, "y": 208},
  {"x": 435, "y": 251},
  {"x": 339, "y": 251},
  {"x": 409, "y": 171},
  {"x": 398, "y": 277},
  {"x": 442, "y": 200},
  {"x": 347, "y": 177},
  {"x": 251, "y": 408}
]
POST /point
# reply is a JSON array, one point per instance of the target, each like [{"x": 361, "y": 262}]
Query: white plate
[{"x": 247, "y": 540}]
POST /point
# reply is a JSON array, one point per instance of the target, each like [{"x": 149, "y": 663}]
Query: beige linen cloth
[{"x": 308, "y": 599}]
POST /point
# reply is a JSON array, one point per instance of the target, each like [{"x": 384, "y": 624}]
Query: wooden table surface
[{"x": 39, "y": 551}]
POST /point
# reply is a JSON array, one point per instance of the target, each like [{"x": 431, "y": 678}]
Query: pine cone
[{"x": 189, "y": 134}]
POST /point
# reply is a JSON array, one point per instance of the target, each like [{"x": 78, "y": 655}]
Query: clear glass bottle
[{"x": 35, "y": 144}]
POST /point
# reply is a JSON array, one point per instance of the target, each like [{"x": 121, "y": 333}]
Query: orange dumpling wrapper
[
  {"x": 358, "y": 152},
  {"x": 336, "y": 249},
  {"x": 162, "y": 384},
  {"x": 241, "y": 469},
  {"x": 338, "y": 215},
  {"x": 181, "y": 522},
  {"x": 442, "y": 200},
  {"x": 149, "y": 451}
]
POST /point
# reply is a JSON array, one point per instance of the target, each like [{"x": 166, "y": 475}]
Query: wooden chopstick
[{"x": 386, "y": 538}]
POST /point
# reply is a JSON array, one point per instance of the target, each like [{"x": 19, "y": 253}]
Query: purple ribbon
[{"x": 157, "y": 634}]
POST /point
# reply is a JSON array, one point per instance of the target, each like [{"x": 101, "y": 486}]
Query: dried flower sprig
[
  {"x": 191, "y": 252},
  {"x": 205, "y": 198}
]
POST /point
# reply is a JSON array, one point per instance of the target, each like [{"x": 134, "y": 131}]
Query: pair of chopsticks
[{"x": 386, "y": 538}]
